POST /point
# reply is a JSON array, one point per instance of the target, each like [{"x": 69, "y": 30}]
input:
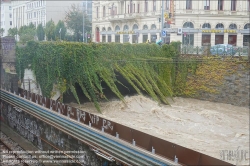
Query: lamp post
[
  {"x": 83, "y": 22},
  {"x": 162, "y": 13}
]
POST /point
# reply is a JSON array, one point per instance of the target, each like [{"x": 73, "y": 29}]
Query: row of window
[
  {"x": 2, "y": 7},
  {"x": 36, "y": 14},
  {"x": 3, "y": 23},
  {"x": 10, "y": 15},
  {"x": 188, "y": 39},
  {"x": 35, "y": 4},
  {"x": 220, "y": 4},
  {"x": 185, "y": 25},
  {"x": 131, "y": 7}
]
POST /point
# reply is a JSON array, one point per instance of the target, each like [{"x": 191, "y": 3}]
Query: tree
[
  {"x": 74, "y": 21},
  {"x": 60, "y": 34},
  {"x": 1, "y": 31},
  {"x": 27, "y": 33},
  {"x": 50, "y": 30},
  {"x": 12, "y": 32},
  {"x": 40, "y": 32}
]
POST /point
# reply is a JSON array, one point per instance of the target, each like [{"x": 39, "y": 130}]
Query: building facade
[
  {"x": 39, "y": 11},
  {"x": 6, "y": 16},
  {"x": 194, "y": 23}
]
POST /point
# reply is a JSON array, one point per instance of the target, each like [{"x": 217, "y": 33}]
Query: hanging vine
[{"x": 146, "y": 67}]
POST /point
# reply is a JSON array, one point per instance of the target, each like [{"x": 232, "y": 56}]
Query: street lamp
[
  {"x": 83, "y": 21},
  {"x": 162, "y": 13}
]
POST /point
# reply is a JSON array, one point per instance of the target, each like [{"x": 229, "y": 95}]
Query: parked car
[{"x": 223, "y": 49}]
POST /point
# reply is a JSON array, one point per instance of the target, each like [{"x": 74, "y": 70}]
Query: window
[
  {"x": 146, "y": 6},
  {"x": 247, "y": 26},
  {"x": 34, "y": 14},
  {"x": 188, "y": 4},
  {"x": 10, "y": 22},
  {"x": 134, "y": 8},
  {"x": 97, "y": 12},
  {"x": 232, "y": 26},
  {"x": 135, "y": 27},
  {"x": 233, "y": 5},
  {"x": 115, "y": 10},
  {"x": 153, "y": 26},
  {"x": 128, "y": 8},
  {"x": 167, "y": 4},
  {"x": 104, "y": 12},
  {"x": 220, "y": 4},
  {"x": 117, "y": 38},
  {"x": 219, "y": 26},
  {"x": 109, "y": 38},
  {"x": 206, "y": 4},
  {"x": 138, "y": 8},
  {"x": 10, "y": 8},
  {"x": 145, "y": 27},
  {"x": 154, "y": 5},
  {"x": 206, "y": 25},
  {"x": 117, "y": 28},
  {"x": 125, "y": 28},
  {"x": 188, "y": 25},
  {"x": 10, "y": 15}
]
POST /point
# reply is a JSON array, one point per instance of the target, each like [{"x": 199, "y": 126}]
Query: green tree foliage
[
  {"x": 40, "y": 32},
  {"x": 1, "y": 31},
  {"x": 74, "y": 21},
  {"x": 60, "y": 25},
  {"x": 27, "y": 33},
  {"x": 50, "y": 30},
  {"x": 12, "y": 32}
]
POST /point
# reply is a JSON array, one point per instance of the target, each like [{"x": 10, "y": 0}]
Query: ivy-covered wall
[
  {"x": 65, "y": 64},
  {"x": 149, "y": 69}
]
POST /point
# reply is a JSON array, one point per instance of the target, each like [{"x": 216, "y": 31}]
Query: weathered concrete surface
[{"x": 235, "y": 89}]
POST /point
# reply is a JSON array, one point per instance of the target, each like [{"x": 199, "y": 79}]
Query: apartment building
[
  {"x": 192, "y": 22},
  {"x": 39, "y": 11},
  {"x": 6, "y": 16}
]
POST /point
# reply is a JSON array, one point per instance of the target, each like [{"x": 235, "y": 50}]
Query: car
[{"x": 223, "y": 49}]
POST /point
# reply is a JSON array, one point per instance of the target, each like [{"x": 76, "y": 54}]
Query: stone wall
[
  {"x": 235, "y": 89},
  {"x": 45, "y": 136}
]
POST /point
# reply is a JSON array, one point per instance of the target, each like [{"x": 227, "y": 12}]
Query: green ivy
[{"x": 146, "y": 67}]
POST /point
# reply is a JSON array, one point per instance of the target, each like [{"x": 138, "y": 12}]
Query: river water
[{"x": 207, "y": 127}]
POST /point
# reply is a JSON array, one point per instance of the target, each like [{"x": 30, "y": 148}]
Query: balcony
[{"x": 116, "y": 17}]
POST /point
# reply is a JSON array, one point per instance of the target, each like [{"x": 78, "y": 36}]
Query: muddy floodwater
[{"x": 207, "y": 127}]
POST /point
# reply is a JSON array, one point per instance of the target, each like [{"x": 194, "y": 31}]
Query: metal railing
[{"x": 215, "y": 50}]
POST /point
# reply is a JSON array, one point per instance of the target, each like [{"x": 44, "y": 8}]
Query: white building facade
[
  {"x": 6, "y": 16},
  {"x": 192, "y": 22},
  {"x": 39, "y": 11}
]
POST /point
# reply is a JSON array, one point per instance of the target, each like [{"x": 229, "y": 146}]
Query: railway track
[{"x": 11, "y": 154}]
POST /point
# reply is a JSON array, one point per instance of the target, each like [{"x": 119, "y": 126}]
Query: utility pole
[
  {"x": 83, "y": 22},
  {"x": 162, "y": 14}
]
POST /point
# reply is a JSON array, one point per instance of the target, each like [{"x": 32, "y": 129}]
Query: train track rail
[{"x": 12, "y": 154}]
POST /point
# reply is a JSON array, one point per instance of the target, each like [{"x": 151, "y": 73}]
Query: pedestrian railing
[{"x": 215, "y": 50}]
